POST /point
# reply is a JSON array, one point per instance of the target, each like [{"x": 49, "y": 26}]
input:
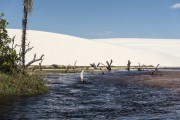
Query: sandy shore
[{"x": 164, "y": 79}]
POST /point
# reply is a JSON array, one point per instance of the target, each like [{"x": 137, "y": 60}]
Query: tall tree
[{"x": 27, "y": 9}]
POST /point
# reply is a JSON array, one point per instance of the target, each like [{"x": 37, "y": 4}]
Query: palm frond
[{"x": 28, "y": 4}]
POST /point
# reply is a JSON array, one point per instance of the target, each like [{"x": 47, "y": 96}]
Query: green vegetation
[
  {"x": 8, "y": 56},
  {"x": 14, "y": 81},
  {"x": 58, "y": 71},
  {"x": 61, "y": 69},
  {"x": 21, "y": 85}
]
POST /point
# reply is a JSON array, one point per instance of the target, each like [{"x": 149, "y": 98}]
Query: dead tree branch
[
  {"x": 40, "y": 64},
  {"x": 155, "y": 70},
  {"x": 128, "y": 65},
  {"x": 74, "y": 67},
  {"x": 34, "y": 60},
  {"x": 29, "y": 49},
  {"x": 25, "y": 52},
  {"x": 94, "y": 65},
  {"x": 109, "y": 65},
  {"x": 13, "y": 47},
  {"x": 141, "y": 67}
]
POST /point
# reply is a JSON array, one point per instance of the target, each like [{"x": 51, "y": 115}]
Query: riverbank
[
  {"x": 168, "y": 79},
  {"x": 107, "y": 96},
  {"x": 165, "y": 79},
  {"x": 49, "y": 69},
  {"x": 22, "y": 85}
]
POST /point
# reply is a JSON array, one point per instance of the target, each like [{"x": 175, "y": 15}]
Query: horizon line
[{"x": 155, "y": 38}]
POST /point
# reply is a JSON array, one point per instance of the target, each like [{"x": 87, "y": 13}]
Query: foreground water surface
[{"x": 100, "y": 97}]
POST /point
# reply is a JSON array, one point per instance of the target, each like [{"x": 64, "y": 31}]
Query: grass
[
  {"x": 22, "y": 85},
  {"x": 57, "y": 71},
  {"x": 78, "y": 69}
]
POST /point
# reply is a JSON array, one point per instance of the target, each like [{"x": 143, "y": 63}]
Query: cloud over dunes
[{"x": 175, "y": 6}]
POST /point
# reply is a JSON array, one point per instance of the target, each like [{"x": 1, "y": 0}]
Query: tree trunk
[{"x": 23, "y": 42}]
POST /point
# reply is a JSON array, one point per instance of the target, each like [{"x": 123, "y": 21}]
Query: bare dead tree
[
  {"x": 128, "y": 65},
  {"x": 34, "y": 59},
  {"x": 141, "y": 67},
  {"x": 29, "y": 48},
  {"x": 74, "y": 67},
  {"x": 155, "y": 70},
  {"x": 13, "y": 47},
  {"x": 40, "y": 65},
  {"x": 94, "y": 65},
  {"x": 20, "y": 54},
  {"x": 108, "y": 66}
]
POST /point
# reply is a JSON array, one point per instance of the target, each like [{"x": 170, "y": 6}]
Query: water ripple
[{"x": 100, "y": 97}]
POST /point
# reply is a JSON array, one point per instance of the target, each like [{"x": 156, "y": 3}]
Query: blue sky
[{"x": 100, "y": 18}]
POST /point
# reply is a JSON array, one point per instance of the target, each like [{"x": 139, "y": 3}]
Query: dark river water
[{"x": 99, "y": 98}]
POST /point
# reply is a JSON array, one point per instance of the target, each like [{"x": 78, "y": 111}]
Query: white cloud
[{"x": 175, "y": 6}]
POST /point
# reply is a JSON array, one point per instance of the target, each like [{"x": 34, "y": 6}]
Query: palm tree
[{"x": 27, "y": 9}]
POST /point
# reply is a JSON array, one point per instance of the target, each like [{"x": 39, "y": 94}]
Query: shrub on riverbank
[{"x": 22, "y": 85}]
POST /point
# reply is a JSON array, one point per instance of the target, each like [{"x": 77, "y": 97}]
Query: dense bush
[
  {"x": 10, "y": 82},
  {"x": 8, "y": 56},
  {"x": 55, "y": 66}
]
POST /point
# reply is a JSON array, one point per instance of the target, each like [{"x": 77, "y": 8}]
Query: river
[{"x": 99, "y": 98}]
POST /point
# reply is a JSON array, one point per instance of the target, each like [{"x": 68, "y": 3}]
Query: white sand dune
[{"x": 63, "y": 49}]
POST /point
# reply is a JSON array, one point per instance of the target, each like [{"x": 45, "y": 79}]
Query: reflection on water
[{"x": 100, "y": 97}]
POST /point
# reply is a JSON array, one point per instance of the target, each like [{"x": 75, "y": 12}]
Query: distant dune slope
[{"x": 63, "y": 49}]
